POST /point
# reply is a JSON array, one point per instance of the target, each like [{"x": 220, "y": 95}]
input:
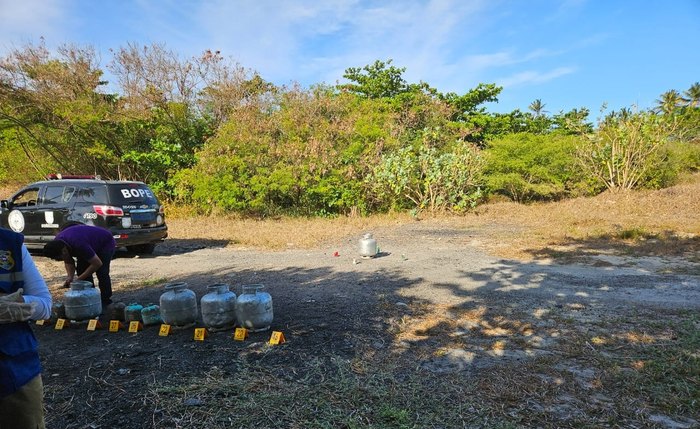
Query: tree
[
  {"x": 692, "y": 95},
  {"x": 669, "y": 102},
  {"x": 527, "y": 167},
  {"x": 430, "y": 179},
  {"x": 55, "y": 109},
  {"x": 537, "y": 108},
  {"x": 575, "y": 121},
  {"x": 625, "y": 149},
  {"x": 378, "y": 80}
]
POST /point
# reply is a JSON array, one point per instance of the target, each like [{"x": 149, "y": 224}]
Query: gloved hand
[
  {"x": 11, "y": 312},
  {"x": 13, "y": 297}
]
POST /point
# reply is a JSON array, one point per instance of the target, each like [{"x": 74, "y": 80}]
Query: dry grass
[
  {"x": 276, "y": 233},
  {"x": 655, "y": 222}
]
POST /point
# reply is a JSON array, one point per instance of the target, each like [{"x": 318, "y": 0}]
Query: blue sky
[{"x": 569, "y": 53}]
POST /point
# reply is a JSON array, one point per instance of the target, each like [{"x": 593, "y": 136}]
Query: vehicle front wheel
[{"x": 143, "y": 249}]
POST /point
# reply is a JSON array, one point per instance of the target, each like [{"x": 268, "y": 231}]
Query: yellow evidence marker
[
  {"x": 114, "y": 325},
  {"x": 93, "y": 324},
  {"x": 277, "y": 337},
  {"x": 200, "y": 334},
  {"x": 134, "y": 326},
  {"x": 60, "y": 323},
  {"x": 164, "y": 330},
  {"x": 240, "y": 334}
]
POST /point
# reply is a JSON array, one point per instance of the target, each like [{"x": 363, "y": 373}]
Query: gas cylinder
[
  {"x": 368, "y": 246},
  {"x": 150, "y": 315},
  {"x": 115, "y": 311},
  {"x": 178, "y": 305},
  {"x": 218, "y": 306},
  {"x": 132, "y": 313},
  {"x": 254, "y": 308},
  {"x": 82, "y": 301},
  {"x": 58, "y": 311}
]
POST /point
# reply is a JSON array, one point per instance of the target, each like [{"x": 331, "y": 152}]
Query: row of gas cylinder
[{"x": 220, "y": 307}]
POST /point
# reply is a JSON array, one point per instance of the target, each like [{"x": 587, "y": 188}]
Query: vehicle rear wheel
[{"x": 144, "y": 249}]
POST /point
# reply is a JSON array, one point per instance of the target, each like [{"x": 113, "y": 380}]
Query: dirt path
[{"x": 430, "y": 287}]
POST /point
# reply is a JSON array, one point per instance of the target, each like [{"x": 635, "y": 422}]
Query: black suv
[{"x": 129, "y": 209}]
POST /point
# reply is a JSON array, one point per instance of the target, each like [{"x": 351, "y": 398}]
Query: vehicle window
[
  {"x": 27, "y": 198},
  {"x": 93, "y": 194},
  {"x": 58, "y": 194},
  {"x": 132, "y": 193}
]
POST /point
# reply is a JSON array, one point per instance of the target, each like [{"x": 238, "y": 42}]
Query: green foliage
[
  {"x": 379, "y": 80},
  {"x": 212, "y": 133},
  {"x": 468, "y": 104},
  {"x": 13, "y": 164},
  {"x": 306, "y": 156},
  {"x": 425, "y": 178},
  {"x": 626, "y": 152},
  {"x": 162, "y": 144},
  {"x": 528, "y": 167}
]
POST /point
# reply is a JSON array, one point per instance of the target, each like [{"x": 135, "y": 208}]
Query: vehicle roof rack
[{"x": 59, "y": 176}]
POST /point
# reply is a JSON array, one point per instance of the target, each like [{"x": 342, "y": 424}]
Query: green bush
[
  {"x": 429, "y": 179},
  {"x": 527, "y": 167},
  {"x": 307, "y": 156}
]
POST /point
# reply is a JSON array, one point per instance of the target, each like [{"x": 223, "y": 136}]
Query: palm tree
[
  {"x": 669, "y": 102},
  {"x": 537, "y": 108},
  {"x": 692, "y": 95}
]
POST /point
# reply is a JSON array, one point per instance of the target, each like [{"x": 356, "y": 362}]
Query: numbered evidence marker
[
  {"x": 240, "y": 334},
  {"x": 164, "y": 330},
  {"x": 40, "y": 322},
  {"x": 93, "y": 324},
  {"x": 60, "y": 323},
  {"x": 277, "y": 337},
  {"x": 134, "y": 326},
  {"x": 200, "y": 334},
  {"x": 114, "y": 325}
]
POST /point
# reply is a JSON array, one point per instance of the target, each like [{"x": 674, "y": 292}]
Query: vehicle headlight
[
  {"x": 126, "y": 222},
  {"x": 159, "y": 220}
]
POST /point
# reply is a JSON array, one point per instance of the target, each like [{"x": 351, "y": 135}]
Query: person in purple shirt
[{"x": 93, "y": 248}]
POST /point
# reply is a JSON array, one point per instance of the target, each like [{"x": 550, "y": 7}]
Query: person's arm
[
  {"x": 95, "y": 264},
  {"x": 69, "y": 263},
  {"x": 35, "y": 289}
]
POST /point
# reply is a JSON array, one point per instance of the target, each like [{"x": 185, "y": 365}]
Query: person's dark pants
[
  {"x": 24, "y": 408},
  {"x": 103, "y": 279}
]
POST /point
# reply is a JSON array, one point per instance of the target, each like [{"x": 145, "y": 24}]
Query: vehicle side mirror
[{"x": 4, "y": 204}]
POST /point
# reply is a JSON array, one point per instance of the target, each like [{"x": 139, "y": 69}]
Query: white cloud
[
  {"x": 317, "y": 41},
  {"x": 24, "y": 21},
  {"x": 533, "y": 77}
]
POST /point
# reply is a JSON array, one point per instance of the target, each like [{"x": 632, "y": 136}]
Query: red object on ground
[{"x": 336, "y": 254}]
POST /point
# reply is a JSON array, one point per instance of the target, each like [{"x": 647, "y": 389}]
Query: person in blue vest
[
  {"x": 23, "y": 296},
  {"x": 93, "y": 249}
]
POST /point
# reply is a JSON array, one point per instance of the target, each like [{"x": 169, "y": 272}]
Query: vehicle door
[
  {"x": 56, "y": 202},
  {"x": 22, "y": 213}
]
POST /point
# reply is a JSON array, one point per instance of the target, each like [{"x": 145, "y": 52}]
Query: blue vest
[{"x": 19, "y": 359}]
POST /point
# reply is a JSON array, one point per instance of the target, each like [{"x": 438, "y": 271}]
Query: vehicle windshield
[{"x": 132, "y": 193}]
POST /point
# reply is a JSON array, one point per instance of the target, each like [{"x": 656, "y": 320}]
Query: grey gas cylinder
[
  {"x": 254, "y": 308},
  {"x": 218, "y": 306},
  {"x": 368, "y": 246},
  {"x": 178, "y": 305},
  {"x": 82, "y": 301}
]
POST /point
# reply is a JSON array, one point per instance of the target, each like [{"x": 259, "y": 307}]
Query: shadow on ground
[{"x": 510, "y": 339}]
